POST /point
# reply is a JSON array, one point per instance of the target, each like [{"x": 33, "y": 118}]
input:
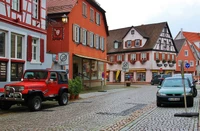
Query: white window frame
[
  {"x": 143, "y": 56},
  {"x": 92, "y": 14},
  {"x": 186, "y": 52},
  {"x": 129, "y": 43},
  {"x": 133, "y": 56},
  {"x": 102, "y": 44},
  {"x": 16, "y": 46},
  {"x": 157, "y": 55},
  {"x": 137, "y": 43},
  {"x": 84, "y": 9},
  {"x": 91, "y": 39},
  {"x": 97, "y": 41},
  {"x": 168, "y": 56},
  {"x": 163, "y": 56},
  {"x": 35, "y": 45},
  {"x": 4, "y": 44},
  {"x": 77, "y": 33},
  {"x": 97, "y": 18},
  {"x": 192, "y": 63},
  {"x": 84, "y": 42},
  {"x": 185, "y": 61},
  {"x": 179, "y": 62},
  {"x": 173, "y": 57},
  {"x": 119, "y": 57},
  {"x": 35, "y": 10},
  {"x": 16, "y": 5}
]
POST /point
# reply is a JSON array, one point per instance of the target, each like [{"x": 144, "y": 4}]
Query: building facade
[
  {"x": 22, "y": 38},
  {"x": 83, "y": 37},
  {"x": 148, "y": 49}
]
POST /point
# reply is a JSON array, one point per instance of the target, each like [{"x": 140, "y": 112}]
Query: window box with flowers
[
  {"x": 169, "y": 61},
  {"x": 157, "y": 60},
  {"x": 173, "y": 61},
  {"x": 163, "y": 61},
  {"x": 132, "y": 61},
  {"x": 142, "y": 61},
  {"x": 110, "y": 63},
  {"x": 119, "y": 62}
]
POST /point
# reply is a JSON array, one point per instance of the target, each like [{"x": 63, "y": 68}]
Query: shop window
[
  {"x": 94, "y": 71},
  {"x": 86, "y": 69},
  {"x": 2, "y": 44},
  {"x": 141, "y": 76},
  {"x": 16, "y": 46},
  {"x": 128, "y": 76},
  {"x": 3, "y": 71},
  {"x": 100, "y": 69},
  {"x": 16, "y": 71}
]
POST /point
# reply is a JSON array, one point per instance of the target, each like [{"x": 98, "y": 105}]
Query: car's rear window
[
  {"x": 176, "y": 82},
  {"x": 35, "y": 75},
  {"x": 186, "y": 75}
]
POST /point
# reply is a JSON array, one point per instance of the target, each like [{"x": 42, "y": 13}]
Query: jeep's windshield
[{"x": 35, "y": 75}]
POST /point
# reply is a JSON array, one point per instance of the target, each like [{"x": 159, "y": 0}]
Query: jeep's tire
[
  {"x": 35, "y": 103},
  {"x": 63, "y": 99},
  {"x": 5, "y": 106}
]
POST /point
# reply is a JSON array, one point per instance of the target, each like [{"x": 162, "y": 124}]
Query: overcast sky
[{"x": 179, "y": 14}]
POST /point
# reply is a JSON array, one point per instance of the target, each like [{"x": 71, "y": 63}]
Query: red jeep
[{"x": 36, "y": 86}]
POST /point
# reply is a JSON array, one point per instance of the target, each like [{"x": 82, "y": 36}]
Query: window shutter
[
  {"x": 140, "y": 42},
  {"x": 74, "y": 32},
  {"x": 139, "y": 56},
  {"x": 171, "y": 57},
  {"x": 132, "y": 43},
  {"x": 129, "y": 57},
  {"x": 88, "y": 38},
  {"x": 81, "y": 35},
  {"x": 160, "y": 56},
  {"x": 115, "y": 58},
  {"x": 166, "y": 57},
  {"x": 126, "y": 44},
  {"x": 122, "y": 57},
  {"x": 108, "y": 58},
  {"x": 155, "y": 56},
  {"x": 29, "y": 48},
  {"x": 42, "y": 50},
  {"x": 95, "y": 41},
  {"x": 147, "y": 56}
]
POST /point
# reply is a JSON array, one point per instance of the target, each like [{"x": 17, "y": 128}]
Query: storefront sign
[{"x": 57, "y": 33}]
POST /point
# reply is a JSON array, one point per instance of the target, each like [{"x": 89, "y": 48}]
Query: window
[
  {"x": 86, "y": 69},
  {"x": 35, "y": 50},
  {"x": 186, "y": 52},
  {"x": 84, "y": 10},
  {"x": 94, "y": 72},
  {"x": 84, "y": 37},
  {"x": 191, "y": 63},
  {"x": 35, "y": 9},
  {"x": 76, "y": 33},
  {"x": 143, "y": 56},
  {"x": 91, "y": 14},
  {"x": 100, "y": 69},
  {"x": 91, "y": 39},
  {"x": 16, "y": 46},
  {"x": 160, "y": 44},
  {"x": 168, "y": 56},
  {"x": 129, "y": 43},
  {"x": 179, "y": 62},
  {"x": 16, "y": 5},
  {"x": 3, "y": 71},
  {"x": 157, "y": 55},
  {"x": 97, "y": 42},
  {"x": 16, "y": 71},
  {"x": 102, "y": 43},
  {"x": 186, "y": 61},
  {"x": 63, "y": 78},
  {"x": 163, "y": 56},
  {"x": 133, "y": 56},
  {"x": 173, "y": 57},
  {"x": 2, "y": 44},
  {"x": 137, "y": 43},
  {"x": 119, "y": 57},
  {"x": 116, "y": 45},
  {"x": 170, "y": 44},
  {"x": 97, "y": 18},
  {"x": 111, "y": 58}
]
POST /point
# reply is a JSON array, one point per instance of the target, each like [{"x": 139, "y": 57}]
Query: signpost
[
  {"x": 63, "y": 58},
  {"x": 125, "y": 68}
]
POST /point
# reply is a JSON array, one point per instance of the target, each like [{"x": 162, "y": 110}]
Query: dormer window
[
  {"x": 129, "y": 44},
  {"x": 137, "y": 43},
  {"x": 116, "y": 45},
  {"x": 132, "y": 32}
]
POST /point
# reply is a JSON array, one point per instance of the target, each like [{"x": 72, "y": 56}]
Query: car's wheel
[
  {"x": 191, "y": 103},
  {"x": 63, "y": 99},
  {"x": 5, "y": 106},
  {"x": 195, "y": 92},
  {"x": 152, "y": 83},
  {"x": 35, "y": 103}
]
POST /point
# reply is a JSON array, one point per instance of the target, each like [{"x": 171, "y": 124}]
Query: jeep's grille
[{"x": 16, "y": 89}]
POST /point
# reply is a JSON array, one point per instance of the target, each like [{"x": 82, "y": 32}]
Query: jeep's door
[{"x": 53, "y": 85}]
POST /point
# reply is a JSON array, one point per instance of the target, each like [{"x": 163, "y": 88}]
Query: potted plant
[
  {"x": 163, "y": 61},
  {"x": 157, "y": 60},
  {"x": 119, "y": 61},
  {"x": 169, "y": 61},
  {"x": 75, "y": 87},
  {"x": 173, "y": 61},
  {"x": 132, "y": 61}
]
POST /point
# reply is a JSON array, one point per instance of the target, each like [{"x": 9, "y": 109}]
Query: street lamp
[{"x": 64, "y": 18}]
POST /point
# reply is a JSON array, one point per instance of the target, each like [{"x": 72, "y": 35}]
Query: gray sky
[{"x": 179, "y": 14}]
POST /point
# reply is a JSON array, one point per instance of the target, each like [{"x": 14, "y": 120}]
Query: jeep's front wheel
[
  {"x": 35, "y": 103},
  {"x": 5, "y": 106},
  {"x": 63, "y": 99}
]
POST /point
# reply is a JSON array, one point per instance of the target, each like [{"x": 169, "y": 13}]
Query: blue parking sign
[{"x": 187, "y": 65}]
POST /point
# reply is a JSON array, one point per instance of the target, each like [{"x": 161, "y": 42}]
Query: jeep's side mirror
[
  {"x": 195, "y": 81},
  {"x": 159, "y": 86}
]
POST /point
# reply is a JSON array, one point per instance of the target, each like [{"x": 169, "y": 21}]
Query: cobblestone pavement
[{"x": 117, "y": 109}]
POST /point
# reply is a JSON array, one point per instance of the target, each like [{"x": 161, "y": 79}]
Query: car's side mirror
[{"x": 159, "y": 86}]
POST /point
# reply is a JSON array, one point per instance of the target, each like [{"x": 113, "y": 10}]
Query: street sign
[
  {"x": 63, "y": 58},
  {"x": 125, "y": 65},
  {"x": 187, "y": 65},
  {"x": 125, "y": 70}
]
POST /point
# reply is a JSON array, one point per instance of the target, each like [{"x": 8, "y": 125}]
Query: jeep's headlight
[
  {"x": 161, "y": 94},
  {"x": 7, "y": 88},
  {"x": 21, "y": 88}
]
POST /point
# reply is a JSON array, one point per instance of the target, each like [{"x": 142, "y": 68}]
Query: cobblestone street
[{"x": 117, "y": 109}]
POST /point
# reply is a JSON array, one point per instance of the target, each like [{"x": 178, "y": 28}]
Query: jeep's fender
[
  {"x": 34, "y": 93},
  {"x": 62, "y": 89}
]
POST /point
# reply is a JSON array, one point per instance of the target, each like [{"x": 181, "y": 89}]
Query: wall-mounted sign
[
  {"x": 63, "y": 58},
  {"x": 57, "y": 33}
]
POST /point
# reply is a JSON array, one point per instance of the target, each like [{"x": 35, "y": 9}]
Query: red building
[{"x": 83, "y": 37}]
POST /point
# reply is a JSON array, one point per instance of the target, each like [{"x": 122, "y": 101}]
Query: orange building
[
  {"x": 188, "y": 46},
  {"x": 83, "y": 37}
]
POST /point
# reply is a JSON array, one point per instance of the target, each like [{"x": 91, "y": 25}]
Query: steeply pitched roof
[
  {"x": 150, "y": 31},
  {"x": 192, "y": 36},
  {"x": 179, "y": 43},
  {"x": 60, "y": 6}
]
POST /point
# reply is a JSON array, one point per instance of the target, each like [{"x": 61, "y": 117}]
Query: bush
[{"x": 75, "y": 86}]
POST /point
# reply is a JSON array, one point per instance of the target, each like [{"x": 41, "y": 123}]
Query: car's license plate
[{"x": 174, "y": 99}]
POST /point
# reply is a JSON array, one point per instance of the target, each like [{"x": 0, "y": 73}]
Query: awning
[{"x": 92, "y": 58}]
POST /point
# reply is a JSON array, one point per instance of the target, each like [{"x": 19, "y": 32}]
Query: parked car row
[{"x": 172, "y": 90}]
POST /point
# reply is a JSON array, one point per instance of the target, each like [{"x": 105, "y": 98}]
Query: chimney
[{"x": 182, "y": 33}]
